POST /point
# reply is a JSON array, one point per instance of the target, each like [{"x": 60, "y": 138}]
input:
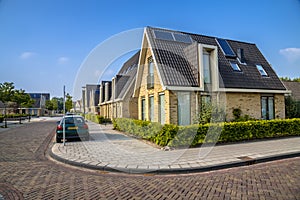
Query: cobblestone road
[{"x": 26, "y": 173}]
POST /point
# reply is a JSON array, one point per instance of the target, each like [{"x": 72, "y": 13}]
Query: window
[
  {"x": 150, "y": 77},
  {"x": 143, "y": 111},
  {"x": 162, "y": 113},
  {"x": 151, "y": 108},
  {"x": 206, "y": 99},
  {"x": 261, "y": 70},
  {"x": 228, "y": 52},
  {"x": 206, "y": 67},
  {"x": 184, "y": 108},
  {"x": 235, "y": 66},
  {"x": 267, "y": 107}
]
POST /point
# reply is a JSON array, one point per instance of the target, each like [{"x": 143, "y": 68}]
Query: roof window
[
  {"x": 235, "y": 66},
  {"x": 261, "y": 70}
]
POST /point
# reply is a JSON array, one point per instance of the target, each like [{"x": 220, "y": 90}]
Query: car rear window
[{"x": 74, "y": 120}]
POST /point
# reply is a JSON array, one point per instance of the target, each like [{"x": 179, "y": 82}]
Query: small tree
[
  {"x": 69, "y": 102},
  {"x": 22, "y": 99},
  {"x": 292, "y": 108},
  {"x": 49, "y": 105}
]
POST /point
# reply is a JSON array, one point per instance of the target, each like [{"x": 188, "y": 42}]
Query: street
[{"x": 26, "y": 172}]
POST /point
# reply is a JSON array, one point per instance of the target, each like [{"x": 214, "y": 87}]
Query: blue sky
[{"x": 44, "y": 42}]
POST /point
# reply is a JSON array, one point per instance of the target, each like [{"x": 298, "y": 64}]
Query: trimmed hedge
[
  {"x": 194, "y": 135},
  {"x": 97, "y": 118}
]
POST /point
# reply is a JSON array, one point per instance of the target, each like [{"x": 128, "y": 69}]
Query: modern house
[
  {"x": 39, "y": 105},
  {"x": 38, "y": 108},
  {"x": 179, "y": 71},
  {"x": 90, "y": 98},
  {"x": 116, "y": 96}
]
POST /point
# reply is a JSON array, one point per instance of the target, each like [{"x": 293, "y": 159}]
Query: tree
[
  {"x": 6, "y": 91},
  {"x": 290, "y": 79},
  {"x": 49, "y": 105},
  {"x": 69, "y": 102},
  {"x": 292, "y": 107},
  {"x": 22, "y": 99}
]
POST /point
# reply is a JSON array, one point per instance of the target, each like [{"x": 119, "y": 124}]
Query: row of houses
[{"x": 175, "y": 73}]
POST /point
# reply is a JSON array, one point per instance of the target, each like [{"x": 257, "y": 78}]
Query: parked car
[{"x": 75, "y": 128}]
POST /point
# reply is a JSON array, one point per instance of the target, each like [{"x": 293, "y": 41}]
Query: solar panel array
[
  {"x": 178, "y": 37},
  {"x": 226, "y": 47}
]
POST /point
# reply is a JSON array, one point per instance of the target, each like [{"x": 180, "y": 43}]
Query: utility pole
[{"x": 64, "y": 119}]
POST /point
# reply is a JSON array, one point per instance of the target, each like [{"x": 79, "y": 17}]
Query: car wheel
[{"x": 58, "y": 140}]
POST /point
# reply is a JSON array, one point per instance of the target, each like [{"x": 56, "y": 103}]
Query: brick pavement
[
  {"x": 27, "y": 173},
  {"x": 110, "y": 150}
]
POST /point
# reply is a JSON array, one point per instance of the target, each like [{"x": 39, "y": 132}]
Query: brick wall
[{"x": 250, "y": 104}]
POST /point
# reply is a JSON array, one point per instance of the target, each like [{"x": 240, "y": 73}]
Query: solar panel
[
  {"x": 163, "y": 35},
  {"x": 226, "y": 47},
  {"x": 182, "y": 38}
]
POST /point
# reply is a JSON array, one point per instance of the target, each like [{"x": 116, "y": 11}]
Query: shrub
[
  {"x": 195, "y": 135},
  {"x": 103, "y": 120}
]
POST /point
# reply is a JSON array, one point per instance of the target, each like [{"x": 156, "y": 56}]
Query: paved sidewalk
[{"x": 112, "y": 151}]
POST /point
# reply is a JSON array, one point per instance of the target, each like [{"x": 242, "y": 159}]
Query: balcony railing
[{"x": 150, "y": 81}]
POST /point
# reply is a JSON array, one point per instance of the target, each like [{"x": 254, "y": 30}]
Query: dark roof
[
  {"x": 126, "y": 76},
  {"x": 178, "y": 63},
  {"x": 294, "y": 87}
]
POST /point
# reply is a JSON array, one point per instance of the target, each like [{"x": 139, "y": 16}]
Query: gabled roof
[
  {"x": 294, "y": 87},
  {"x": 126, "y": 77},
  {"x": 177, "y": 62}
]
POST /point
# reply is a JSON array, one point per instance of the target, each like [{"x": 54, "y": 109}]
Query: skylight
[
  {"x": 178, "y": 37},
  {"x": 235, "y": 66},
  {"x": 261, "y": 70},
  {"x": 225, "y": 47}
]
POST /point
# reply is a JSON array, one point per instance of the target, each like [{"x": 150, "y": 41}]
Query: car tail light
[
  {"x": 59, "y": 127},
  {"x": 85, "y": 126}
]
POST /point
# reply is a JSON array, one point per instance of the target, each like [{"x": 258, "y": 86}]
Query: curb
[{"x": 177, "y": 170}]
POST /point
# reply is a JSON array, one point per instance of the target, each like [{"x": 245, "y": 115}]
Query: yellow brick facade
[{"x": 250, "y": 104}]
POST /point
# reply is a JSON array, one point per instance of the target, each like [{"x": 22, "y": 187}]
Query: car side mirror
[{"x": 57, "y": 122}]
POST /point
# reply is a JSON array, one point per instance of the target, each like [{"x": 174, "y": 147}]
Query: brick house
[
  {"x": 116, "y": 99},
  {"x": 90, "y": 98},
  {"x": 178, "y": 71}
]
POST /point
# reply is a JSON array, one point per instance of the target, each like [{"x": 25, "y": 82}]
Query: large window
[
  {"x": 143, "y": 111},
  {"x": 206, "y": 67},
  {"x": 184, "y": 108},
  {"x": 162, "y": 113},
  {"x": 267, "y": 107},
  {"x": 151, "y": 108}
]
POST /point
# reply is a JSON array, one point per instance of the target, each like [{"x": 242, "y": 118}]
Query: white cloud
[
  {"x": 63, "y": 60},
  {"x": 27, "y": 54},
  {"x": 291, "y": 54}
]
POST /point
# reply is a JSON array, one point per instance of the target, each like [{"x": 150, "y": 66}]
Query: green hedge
[
  {"x": 97, "y": 118},
  {"x": 194, "y": 135},
  {"x": 12, "y": 116}
]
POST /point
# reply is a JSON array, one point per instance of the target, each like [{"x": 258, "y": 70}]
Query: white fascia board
[
  {"x": 182, "y": 88},
  {"x": 254, "y": 90},
  {"x": 139, "y": 73}
]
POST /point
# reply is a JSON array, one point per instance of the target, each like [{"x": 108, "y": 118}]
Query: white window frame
[{"x": 261, "y": 70}]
